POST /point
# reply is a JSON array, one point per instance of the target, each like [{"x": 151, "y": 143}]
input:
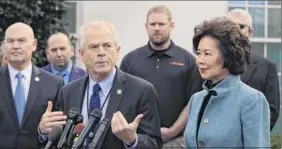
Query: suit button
[
  {"x": 206, "y": 120},
  {"x": 201, "y": 143}
]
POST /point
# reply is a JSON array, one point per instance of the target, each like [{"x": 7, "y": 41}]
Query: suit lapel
[
  {"x": 116, "y": 96},
  {"x": 74, "y": 74},
  {"x": 250, "y": 70},
  {"x": 48, "y": 68},
  {"x": 118, "y": 89},
  {"x": 79, "y": 98},
  {"x": 8, "y": 95},
  {"x": 34, "y": 91}
]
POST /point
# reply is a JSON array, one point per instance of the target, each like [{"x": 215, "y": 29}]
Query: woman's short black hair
[{"x": 234, "y": 46}]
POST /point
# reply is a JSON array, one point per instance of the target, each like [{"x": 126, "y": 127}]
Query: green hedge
[{"x": 44, "y": 16}]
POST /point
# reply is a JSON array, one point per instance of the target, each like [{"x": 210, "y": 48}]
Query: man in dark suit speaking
[
  {"x": 130, "y": 103},
  {"x": 25, "y": 90}
]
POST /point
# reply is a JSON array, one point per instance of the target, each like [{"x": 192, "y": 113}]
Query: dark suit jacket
[
  {"x": 138, "y": 96},
  {"x": 25, "y": 137},
  {"x": 75, "y": 73},
  {"x": 262, "y": 75}
]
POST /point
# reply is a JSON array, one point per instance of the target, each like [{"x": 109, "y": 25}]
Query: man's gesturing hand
[
  {"x": 50, "y": 119},
  {"x": 124, "y": 131}
]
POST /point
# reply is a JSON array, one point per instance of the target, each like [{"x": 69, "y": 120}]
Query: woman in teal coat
[{"x": 227, "y": 113}]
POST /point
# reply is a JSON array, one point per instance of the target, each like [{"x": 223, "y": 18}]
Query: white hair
[
  {"x": 240, "y": 13},
  {"x": 97, "y": 24}
]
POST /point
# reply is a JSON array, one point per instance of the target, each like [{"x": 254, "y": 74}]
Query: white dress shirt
[
  {"x": 26, "y": 79},
  {"x": 106, "y": 85}
]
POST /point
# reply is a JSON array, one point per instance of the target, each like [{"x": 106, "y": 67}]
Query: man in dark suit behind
[
  {"x": 59, "y": 52},
  {"x": 132, "y": 106},
  {"x": 25, "y": 90},
  {"x": 261, "y": 73}
]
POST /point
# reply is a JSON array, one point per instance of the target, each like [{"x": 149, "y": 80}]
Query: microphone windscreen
[
  {"x": 78, "y": 128},
  {"x": 96, "y": 113},
  {"x": 73, "y": 113},
  {"x": 79, "y": 119}
]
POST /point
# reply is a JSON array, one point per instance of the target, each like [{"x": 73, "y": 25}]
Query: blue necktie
[
  {"x": 61, "y": 74},
  {"x": 20, "y": 98},
  {"x": 95, "y": 102}
]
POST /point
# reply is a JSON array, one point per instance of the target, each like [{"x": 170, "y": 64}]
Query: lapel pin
[
  {"x": 36, "y": 79},
  {"x": 119, "y": 91}
]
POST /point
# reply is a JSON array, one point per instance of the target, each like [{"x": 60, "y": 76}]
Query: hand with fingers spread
[
  {"x": 50, "y": 119},
  {"x": 123, "y": 130}
]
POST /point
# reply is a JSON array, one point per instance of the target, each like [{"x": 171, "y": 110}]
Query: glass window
[
  {"x": 274, "y": 2},
  {"x": 258, "y": 21},
  {"x": 237, "y": 2},
  {"x": 231, "y": 8},
  {"x": 261, "y": 3},
  {"x": 274, "y": 22},
  {"x": 280, "y": 81},
  {"x": 71, "y": 16},
  {"x": 257, "y": 48},
  {"x": 274, "y": 53}
]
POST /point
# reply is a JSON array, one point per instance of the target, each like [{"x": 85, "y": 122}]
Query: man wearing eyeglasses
[{"x": 261, "y": 73}]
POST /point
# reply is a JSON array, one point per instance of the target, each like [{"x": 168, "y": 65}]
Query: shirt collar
[
  {"x": 105, "y": 84},
  {"x": 168, "y": 52},
  {"x": 26, "y": 72},
  {"x": 225, "y": 86},
  {"x": 66, "y": 71}
]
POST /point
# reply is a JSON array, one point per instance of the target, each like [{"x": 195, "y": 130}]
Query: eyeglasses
[{"x": 242, "y": 26}]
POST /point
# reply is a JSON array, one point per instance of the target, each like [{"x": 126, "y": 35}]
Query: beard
[
  {"x": 160, "y": 42},
  {"x": 61, "y": 66}
]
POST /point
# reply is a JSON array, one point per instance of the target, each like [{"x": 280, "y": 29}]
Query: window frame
[
  {"x": 73, "y": 33},
  {"x": 264, "y": 40}
]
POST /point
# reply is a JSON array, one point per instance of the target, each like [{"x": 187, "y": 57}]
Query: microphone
[
  {"x": 95, "y": 117},
  {"x": 54, "y": 136},
  {"x": 72, "y": 118},
  {"x": 72, "y": 130},
  {"x": 99, "y": 133},
  {"x": 77, "y": 130}
]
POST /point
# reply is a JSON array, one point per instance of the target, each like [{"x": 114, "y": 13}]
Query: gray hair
[
  {"x": 241, "y": 13},
  {"x": 97, "y": 24}
]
